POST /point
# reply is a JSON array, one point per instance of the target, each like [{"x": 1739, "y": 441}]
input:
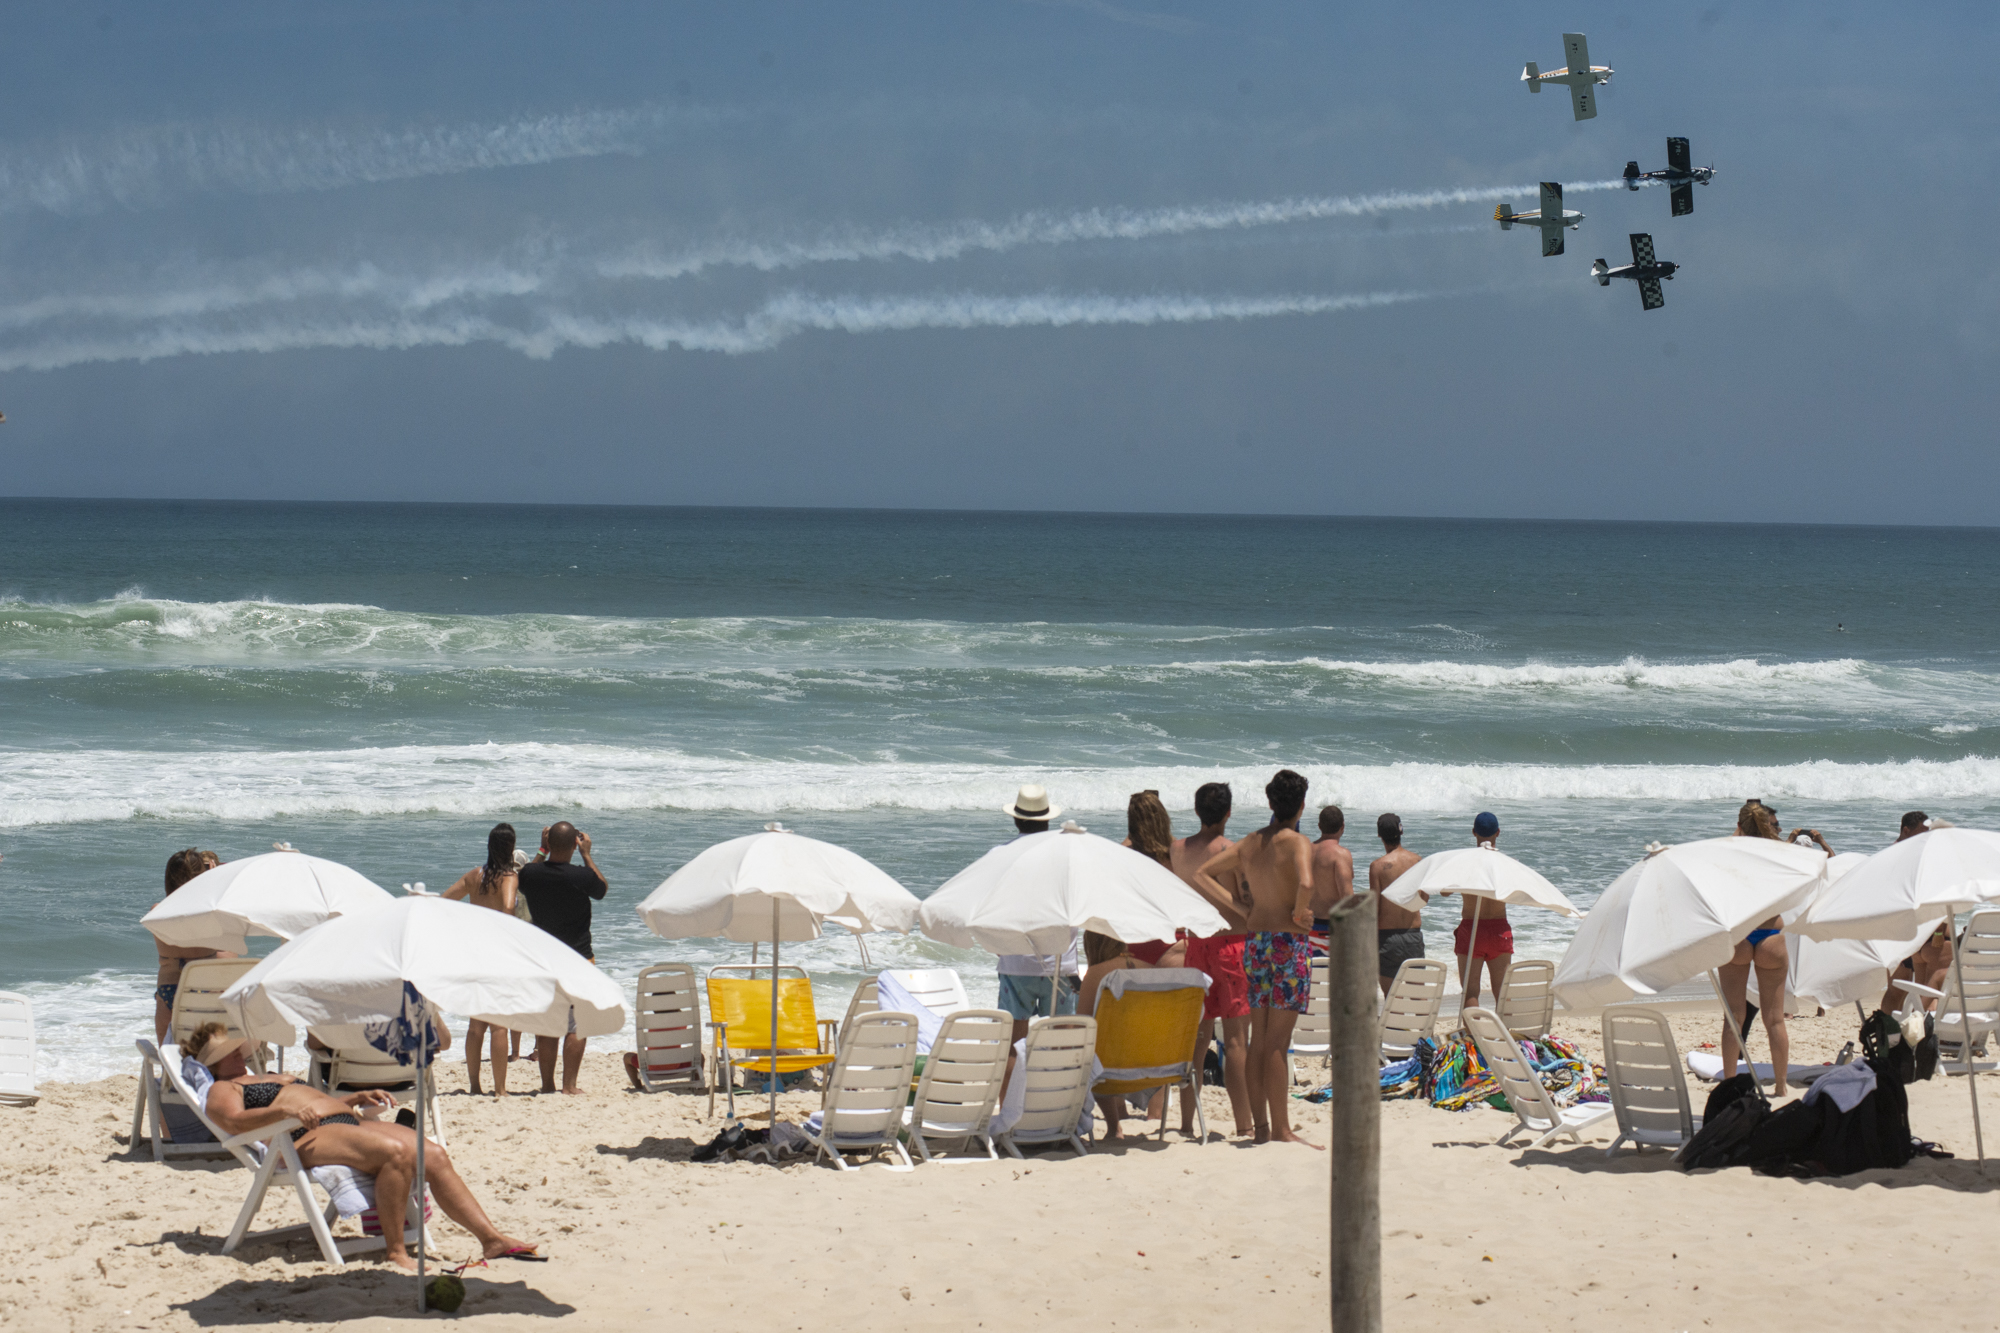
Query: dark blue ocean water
[{"x": 379, "y": 683}]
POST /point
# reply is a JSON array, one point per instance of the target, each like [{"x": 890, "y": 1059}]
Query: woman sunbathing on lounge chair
[{"x": 331, "y": 1134}]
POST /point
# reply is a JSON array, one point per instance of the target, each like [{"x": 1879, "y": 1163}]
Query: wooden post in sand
[{"x": 1355, "y": 1147}]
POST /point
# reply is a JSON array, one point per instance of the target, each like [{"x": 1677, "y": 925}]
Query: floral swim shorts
[{"x": 1278, "y": 966}]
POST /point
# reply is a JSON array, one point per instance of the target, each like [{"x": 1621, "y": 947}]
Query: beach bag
[
  {"x": 1734, "y": 1111},
  {"x": 1894, "y": 1058}
]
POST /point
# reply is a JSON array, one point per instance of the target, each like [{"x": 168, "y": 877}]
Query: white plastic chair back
[
  {"x": 1313, "y": 1035},
  {"x": 199, "y": 1000},
  {"x": 17, "y": 1049},
  {"x": 962, "y": 1078},
  {"x": 1648, "y": 1091},
  {"x": 1972, "y": 1014},
  {"x": 1528, "y": 998},
  {"x": 865, "y": 1001},
  {"x": 1534, "y": 1109},
  {"x": 354, "y": 1069},
  {"x": 1057, "y": 1066},
  {"x": 869, "y": 1086},
  {"x": 938, "y": 989},
  {"x": 666, "y": 1012},
  {"x": 1410, "y": 1010}
]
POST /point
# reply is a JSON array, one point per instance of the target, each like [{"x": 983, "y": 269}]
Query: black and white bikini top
[{"x": 257, "y": 1096}]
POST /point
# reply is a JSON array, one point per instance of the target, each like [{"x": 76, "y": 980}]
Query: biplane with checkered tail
[
  {"x": 1644, "y": 269},
  {"x": 1579, "y": 76},
  {"x": 1551, "y": 218}
]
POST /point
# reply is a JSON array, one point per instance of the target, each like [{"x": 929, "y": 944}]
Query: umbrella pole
[
  {"x": 1965, "y": 1052},
  {"x": 1465, "y": 963},
  {"x": 421, "y": 1033},
  {"x": 1741, "y": 1033},
  {"x": 772, "y": 1122}
]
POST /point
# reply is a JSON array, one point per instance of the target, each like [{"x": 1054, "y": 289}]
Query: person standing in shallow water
[{"x": 494, "y": 885}]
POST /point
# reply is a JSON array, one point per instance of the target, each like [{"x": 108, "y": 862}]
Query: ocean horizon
[{"x": 379, "y": 682}]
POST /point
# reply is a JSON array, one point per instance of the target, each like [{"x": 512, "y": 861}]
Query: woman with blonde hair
[{"x": 1763, "y": 949}]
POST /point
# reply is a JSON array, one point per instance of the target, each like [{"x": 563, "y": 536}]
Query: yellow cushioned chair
[{"x": 1147, "y": 1022}]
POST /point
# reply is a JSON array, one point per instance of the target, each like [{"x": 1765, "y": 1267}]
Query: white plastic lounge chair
[
  {"x": 1410, "y": 1010},
  {"x": 354, "y": 1069},
  {"x": 865, "y": 1001},
  {"x": 17, "y": 1051},
  {"x": 1528, "y": 998},
  {"x": 938, "y": 989},
  {"x": 1971, "y": 1015},
  {"x": 162, "y": 1115},
  {"x": 667, "y": 1019},
  {"x": 1056, "y": 1066},
  {"x": 281, "y": 1160},
  {"x": 198, "y": 1000},
  {"x": 1534, "y": 1110},
  {"x": 963, "y": 1075},
  {"x": 1648, "y": 1091},
  {"x": 1314, "y": 1033},
  {"x": 868, "y": 1088}
]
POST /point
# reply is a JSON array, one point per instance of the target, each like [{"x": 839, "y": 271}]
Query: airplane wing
[
  {"x": 1552, "y": 240},
  {"x": 1678, "y": 157},
  {"x": 1583, "y": 100},
  {"x": 1683, "y": 197},
  {"x": 1649, "y": 294},
  {"x": 1642, "y": 249},
  {"x": 1552, "y": 200},
  {"x": 1577, "y": 51}
]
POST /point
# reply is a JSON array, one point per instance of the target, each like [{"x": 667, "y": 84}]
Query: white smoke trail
[
  {"x": 146, "y": 168},
  {"x": 776, "y": 321},
  {"x": 930, "y": 243}
]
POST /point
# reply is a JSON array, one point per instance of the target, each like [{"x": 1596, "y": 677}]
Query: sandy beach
[{"x": 1140, "y": 1234}]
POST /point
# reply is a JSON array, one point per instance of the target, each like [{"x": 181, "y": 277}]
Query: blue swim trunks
[{"x": 1278, "y": 965}]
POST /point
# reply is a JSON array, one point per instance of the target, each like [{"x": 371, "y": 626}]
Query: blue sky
[{"x": 1079, "y": 255}]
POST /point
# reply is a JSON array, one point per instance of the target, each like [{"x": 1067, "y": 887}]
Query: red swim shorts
[
  {"x": 1496, "y": 939},
  {"x": 1221, "y": 957}
]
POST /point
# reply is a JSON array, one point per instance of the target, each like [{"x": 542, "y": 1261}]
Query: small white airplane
[
  {"x": 1580, "y": 75},
  {"x": 1551, "y": 217}
]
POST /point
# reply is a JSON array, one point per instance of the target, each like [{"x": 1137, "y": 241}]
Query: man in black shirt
[{"x": 559, "y": 895}]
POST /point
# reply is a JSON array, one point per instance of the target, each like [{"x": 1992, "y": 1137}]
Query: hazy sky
[{"x": 1083, "y": 255}]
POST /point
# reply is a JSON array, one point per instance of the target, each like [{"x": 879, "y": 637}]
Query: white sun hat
[{"x": 1031, "y": 802}]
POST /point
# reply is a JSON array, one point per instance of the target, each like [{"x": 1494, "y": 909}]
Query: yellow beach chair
[
  {"x": 739, "y": 1013},
  {"x": 1147, "y": 1021}
]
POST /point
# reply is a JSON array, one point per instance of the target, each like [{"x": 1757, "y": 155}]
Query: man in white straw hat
[
  {"x": 332, "y": 1134},
  {"x": 1027, "y": 990}
]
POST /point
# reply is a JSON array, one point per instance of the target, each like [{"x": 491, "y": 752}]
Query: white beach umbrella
[
  {"x": 1481, "y": 873},
  {"x": 279, "y": 893},
  {"x": 1028, "y": 895},
  {"x": 1836, "y": 972},
  {"x": 1894, "y": 892},
  {"x": 775, "y": 886},
  {"x": 1682, "y": 912},
  {"x": 375, "y": 977},
  {"x": 1926, "y": 878}
]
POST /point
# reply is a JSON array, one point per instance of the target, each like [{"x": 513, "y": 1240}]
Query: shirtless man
[
  {"x": 1275, "y": 864},
  {"x": 331, "y": 1134},
  {"x": 1221, "y": 957},
  {"x": 1931, "y": 963},
  {"x": 1333, "y": 871},
  {"x": 1494, "y": 945},
  {"x": 1399, "y": 931}
]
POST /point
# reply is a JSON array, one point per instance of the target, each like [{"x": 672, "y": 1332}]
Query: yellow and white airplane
[
  {"x": 1580, "y": 75},
  {"x": 1551, "y": 217}
]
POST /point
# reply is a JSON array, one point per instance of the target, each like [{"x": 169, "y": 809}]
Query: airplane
[
  {"x": 1581, "y": 76},
  {"x": 1644, "y": 270},
  {"x": 1678, "y": 174},
  {"x": 1551, "y": 217}
]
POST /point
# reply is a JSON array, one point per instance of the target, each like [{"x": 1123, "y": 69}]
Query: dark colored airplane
[
  {"x": 1644, "y": 270},
  {"x": 1679, "y": 176}
]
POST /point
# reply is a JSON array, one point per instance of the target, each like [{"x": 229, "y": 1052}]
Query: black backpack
[
  {"x": 1895, "y": 1059},
  {"x": 1734, "y": 1112}
]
